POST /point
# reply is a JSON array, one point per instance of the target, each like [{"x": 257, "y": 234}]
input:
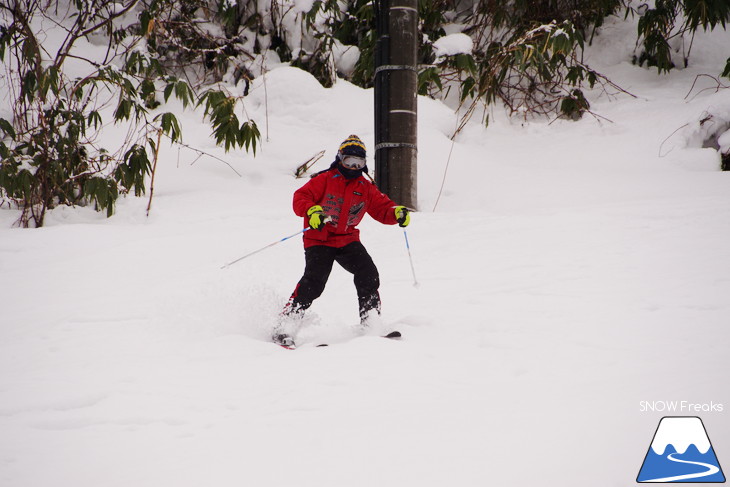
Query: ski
[{"x": 287, "y": 342}]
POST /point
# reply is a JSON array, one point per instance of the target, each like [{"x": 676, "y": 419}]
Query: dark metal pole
[
  {"x": 396, "y": 85},
  {"x": 382, "y": 81}
]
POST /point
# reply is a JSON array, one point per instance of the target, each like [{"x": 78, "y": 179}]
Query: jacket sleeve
[
  {"x": 309, "y": 195},
  {"x": 380, "y": 207}
]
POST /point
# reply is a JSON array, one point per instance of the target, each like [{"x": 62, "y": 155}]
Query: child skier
[{"x": 332, "y": 204}]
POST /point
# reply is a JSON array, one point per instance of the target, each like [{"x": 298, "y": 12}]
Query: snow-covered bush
[
  {"x": 50, "y": 151},
  {"x": 667, "y": 29},
  {"x": 524, "y": 54}
]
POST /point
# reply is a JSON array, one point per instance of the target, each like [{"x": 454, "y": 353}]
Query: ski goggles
[{"x": 353, "y": 162}]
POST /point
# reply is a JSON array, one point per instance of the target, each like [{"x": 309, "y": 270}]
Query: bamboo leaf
[{"x": 7, "y": 127}]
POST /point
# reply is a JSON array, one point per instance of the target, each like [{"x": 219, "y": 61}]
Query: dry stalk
[{"x": 154, "y": 169}]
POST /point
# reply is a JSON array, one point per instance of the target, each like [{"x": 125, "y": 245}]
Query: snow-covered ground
[{"x": 569, "y": 272}]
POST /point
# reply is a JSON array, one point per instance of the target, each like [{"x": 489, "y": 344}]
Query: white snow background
[{"x": 570, "y": 271}]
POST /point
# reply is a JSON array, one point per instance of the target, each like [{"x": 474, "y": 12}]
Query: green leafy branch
[
  {"x": 228, "y": 130},
  {"x": 670, "y": 19}
]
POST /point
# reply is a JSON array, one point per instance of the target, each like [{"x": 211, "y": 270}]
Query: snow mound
[{"x": 453, "y": 44}]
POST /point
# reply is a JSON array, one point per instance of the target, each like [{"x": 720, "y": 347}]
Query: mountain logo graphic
[{"x": 681, "y": 452}]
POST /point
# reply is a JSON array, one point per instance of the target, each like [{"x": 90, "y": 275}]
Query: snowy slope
[{"x": 569, "y": 271}]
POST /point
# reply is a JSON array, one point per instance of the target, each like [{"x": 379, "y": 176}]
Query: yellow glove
[
  {"x": 402, "y": 215},
  {"x": 317, "y": 217}
]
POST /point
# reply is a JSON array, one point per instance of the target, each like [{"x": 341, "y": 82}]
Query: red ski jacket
[{"x": 344, "y": 200}]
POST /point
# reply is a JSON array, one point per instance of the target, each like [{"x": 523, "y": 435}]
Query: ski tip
[
  {"x": 394, "y": 334},
  {"x": 284, "y": 341}
]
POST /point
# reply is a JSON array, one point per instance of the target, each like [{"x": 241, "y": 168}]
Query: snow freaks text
[{"x": 680, "y": 407}]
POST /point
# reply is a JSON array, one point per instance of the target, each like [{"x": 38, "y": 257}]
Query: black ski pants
[{"x": 319, "y": 260}]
